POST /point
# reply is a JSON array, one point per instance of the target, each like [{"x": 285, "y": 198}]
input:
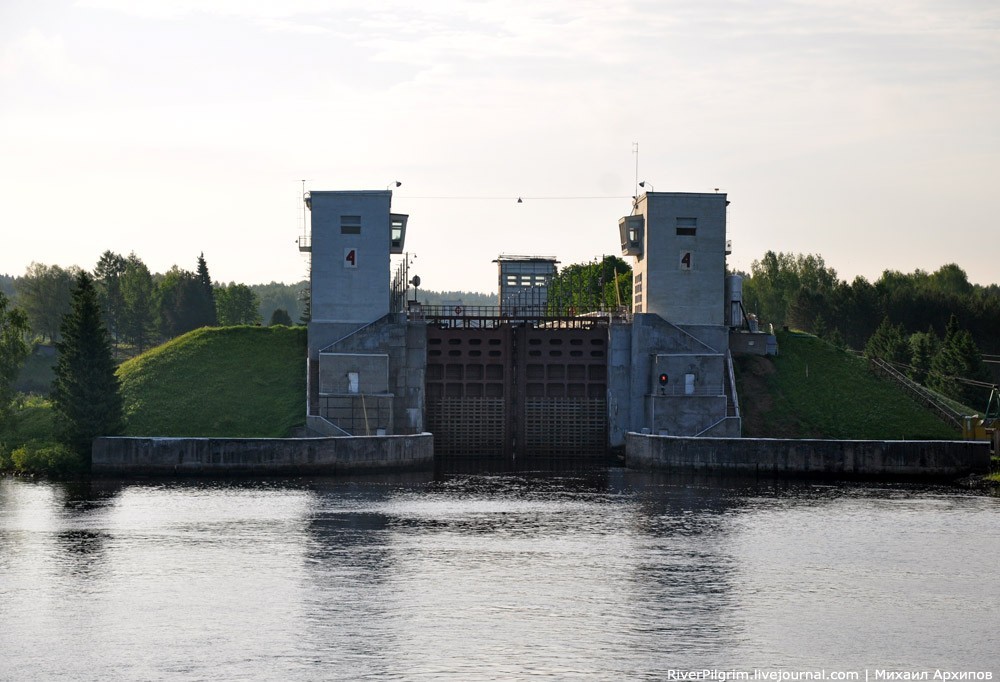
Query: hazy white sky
[{"x": 866, "y": 132}]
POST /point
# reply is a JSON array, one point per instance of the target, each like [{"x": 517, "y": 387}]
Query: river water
[{"x": 603, "y": 575}]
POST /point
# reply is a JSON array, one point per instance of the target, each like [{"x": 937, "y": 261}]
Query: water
[{"x": 612, "y": 574}]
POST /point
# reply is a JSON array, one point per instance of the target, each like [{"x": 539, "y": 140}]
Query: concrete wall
[
  {"x": 619, "y": 383},
  {"x": 405, "y": 343},
  {"x": 335, "y": 369},
  {"x": 932, "y": 459},
  {"x": 690, "y": 415},
  {"x": 215, "y": 456},
  {"x": 696, "y": 349},
  {"x": 746, "y": 343}
]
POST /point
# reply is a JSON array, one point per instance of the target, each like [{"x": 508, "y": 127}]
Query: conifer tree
[
  {"x": 280, "y": 316},
  {"x": 204, "y": 314},
  {"x": 958, "y": 366},
  {"x": 85, "y": 393},
  {"x": 13, "y": 350},
  {"x": 888, "y": 343},
  {"x": 923, "y": 347}
]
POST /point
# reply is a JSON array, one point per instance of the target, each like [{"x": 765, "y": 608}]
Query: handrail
[
  {"x": 322, "y": 418},
  {"x": 918, "y": 391},
  {"x": 732, "y": 384},
  {"x": 711, "y": 426}
]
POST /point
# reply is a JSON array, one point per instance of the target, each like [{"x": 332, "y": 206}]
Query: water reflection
[{"x": 600, "y": 573}]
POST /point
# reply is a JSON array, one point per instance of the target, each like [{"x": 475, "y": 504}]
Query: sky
[{"x": 868, "y": 133}]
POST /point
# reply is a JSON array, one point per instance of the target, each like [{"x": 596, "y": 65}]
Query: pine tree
[
  {"x": 888, "y": 343},
  {"x": 13, "y": 350},
  {"x": 923, "y": 347},
  {"x": 958, "y": 366},
  {"x": 85, "y": 393},
  {"x": 204, "y": 314},
  {"x": 280, "y": 316}
]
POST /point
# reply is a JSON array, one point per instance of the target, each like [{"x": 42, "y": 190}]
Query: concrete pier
[
  {"x": 262, "y": 456},
  {"x": 889, "y": 459}
]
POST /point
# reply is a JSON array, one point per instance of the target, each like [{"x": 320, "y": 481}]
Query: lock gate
[{"x": 522, "y": 388}]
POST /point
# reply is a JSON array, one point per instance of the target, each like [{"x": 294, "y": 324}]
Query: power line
[{"x": 512, "y": 198}]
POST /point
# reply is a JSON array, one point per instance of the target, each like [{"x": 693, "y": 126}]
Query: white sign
[
  {"x": 685, "y": 263},
  {"x": 350, "y": 258}
]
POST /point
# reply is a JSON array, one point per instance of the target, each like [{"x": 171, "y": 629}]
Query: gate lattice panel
[{"x": 517, "y": 390}]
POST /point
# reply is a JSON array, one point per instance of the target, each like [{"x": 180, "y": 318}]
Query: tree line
[
  {"x": 140, "y": 308},
  {"x": 934, "y": 326}
]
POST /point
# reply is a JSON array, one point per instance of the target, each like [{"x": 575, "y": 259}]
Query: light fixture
[
  {"x": 397, "y": 183},
  {"x": 519, "y": 200},
  {"x": 644, "y": 183}
]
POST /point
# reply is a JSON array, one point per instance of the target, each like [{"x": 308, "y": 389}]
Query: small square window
[
  {"x": 350, "y": 224},
  {"x": 686, "y": 227}
]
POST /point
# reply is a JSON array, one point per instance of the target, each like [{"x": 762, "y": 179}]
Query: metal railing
[
  {"x": 400, "y": 285},
  {"x": 679, "y": 389},
  {"x": 463, "y": 316},
  {"x": 918, "y": 392}
]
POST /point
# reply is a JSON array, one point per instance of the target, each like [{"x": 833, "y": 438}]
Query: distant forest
[{"x": 142, "y": 309}]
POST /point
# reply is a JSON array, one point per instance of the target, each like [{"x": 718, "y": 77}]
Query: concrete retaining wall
[
  {"x": 267, "y": 456},
  {"x": 912, "y": 458}
]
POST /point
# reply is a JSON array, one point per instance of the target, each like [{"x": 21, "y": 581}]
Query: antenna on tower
[{"x": 635, "y": 150}]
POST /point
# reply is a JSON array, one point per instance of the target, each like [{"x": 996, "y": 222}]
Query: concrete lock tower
[
  {"x": 353, "y": 339},
  {"x": 353, "y": 234},
  {"x": 680, "y": 379}
]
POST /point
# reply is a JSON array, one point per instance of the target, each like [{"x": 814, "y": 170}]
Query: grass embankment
[
  {"x": 814, "y": 390},
  {"x": 229, "y": 381}
]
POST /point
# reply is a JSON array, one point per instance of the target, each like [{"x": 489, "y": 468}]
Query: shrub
[{"x": 53, "y": 459}]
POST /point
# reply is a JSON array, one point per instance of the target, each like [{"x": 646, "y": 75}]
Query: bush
[{"x": 53, "y": 459}]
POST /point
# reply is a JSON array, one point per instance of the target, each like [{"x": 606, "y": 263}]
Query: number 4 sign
[
  {"x": 350, "y": 258},
  {"x": 685, "y": 263}
]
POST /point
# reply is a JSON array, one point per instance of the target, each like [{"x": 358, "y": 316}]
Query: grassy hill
[
  {"x": 250, "y": 382},
  {"x": 813, "y": 390},
  {"x": 229, "y": 381}
]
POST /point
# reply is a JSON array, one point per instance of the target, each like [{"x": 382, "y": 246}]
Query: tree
[
  {"x": 13, "y": 350},
  {"x": 280, "y": 316},
  {"x": 137, "y": 302},
  {"x": 44, "y": 294},
  {"x": 777, "y": 279},
  {"x": 182, "y": 301},
  {"x": 236, "y": 304},
  {"x": 923, "y": 347},
  {"x": 203, "y": 298},
  {"x": 279, "y": 295},
  {"x": 958, "y": 370},
  {"x": 951, "y": 279},
  {"x": 888, "y": 343},
  {"x": 107, "y": 278},
  {"x": 592, "y": 286},
  {"x": 305, "y": 300},
  {"x": 86, "y": 395}
]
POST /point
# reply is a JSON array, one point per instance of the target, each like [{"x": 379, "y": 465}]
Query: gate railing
[{"x": 463, "y": 316}]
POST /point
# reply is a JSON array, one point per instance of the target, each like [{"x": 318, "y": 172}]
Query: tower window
[
  {"x": 686, "y": 227},
  {"x": 350, "y": 224}
]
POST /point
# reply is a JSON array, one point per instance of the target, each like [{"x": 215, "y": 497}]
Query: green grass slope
[
  {"x": 813, "y": 390},
  {"x": 228, "y": 381}
]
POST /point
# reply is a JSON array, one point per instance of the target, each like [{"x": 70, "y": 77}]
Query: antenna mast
[{"x": 635, "y": 150}]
